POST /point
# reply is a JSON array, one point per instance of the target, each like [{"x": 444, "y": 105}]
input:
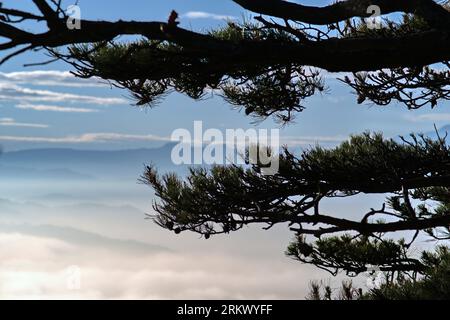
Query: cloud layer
[
  {"x": 21, "y": 86},
  {"x": 41, "y": 107},
  {"x": 430, "y": 117},
  {"x": 45, "y": 267},
  {"x": 304, "y": 141},
  {"x": 48, "y": 78},
  {"x": 207, "y": 15},
  {"x": 10, "y": 122},
  {"x": 13, "y": 92},
  {"x": 85, "y": 138}
]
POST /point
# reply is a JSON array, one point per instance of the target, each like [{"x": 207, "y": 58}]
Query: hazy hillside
[{"x": 82, "y": 164}]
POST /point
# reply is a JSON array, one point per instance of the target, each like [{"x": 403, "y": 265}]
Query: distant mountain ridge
[
  {"x": 79, "y": 155},
  {"x": 66, "y": 163}
]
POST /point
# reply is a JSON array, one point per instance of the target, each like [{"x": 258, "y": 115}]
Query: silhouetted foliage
[
  {"x": 433, "y": 284},
  {"x": 226, "y": 199},
  {"x": 268, "y": 66}
]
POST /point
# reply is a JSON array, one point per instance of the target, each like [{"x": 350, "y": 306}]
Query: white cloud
[
  {"x": 14, "y": 86},
  {"x": 293, "y": 141},
  {"x": 13, "y": 92},
  {"x": 87, "y": 138},
  {"x": 207, "y": 15},
  {"x": 38, "y": 267},
  {"x": 54, "y": 108},
  {"x": 9, "y": 122},
  {"x": 120, "y": 137},
  {"x": 430, "y": 117},
  {"x": 49, "y": 78}
]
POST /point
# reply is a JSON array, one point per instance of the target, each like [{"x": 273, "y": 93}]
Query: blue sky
[{"x": 334, "y": 115}]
